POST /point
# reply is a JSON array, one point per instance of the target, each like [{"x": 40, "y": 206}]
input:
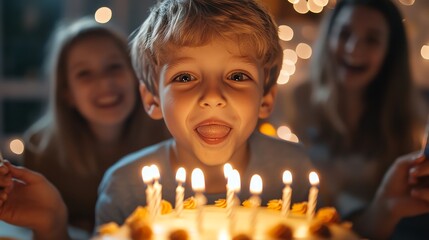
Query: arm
[
  {"x": 394, "y": 199},
  {"x": 29, "y": 200}
]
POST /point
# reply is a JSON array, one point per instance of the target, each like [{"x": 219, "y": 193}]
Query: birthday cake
[{"x": 214, "y": 222}]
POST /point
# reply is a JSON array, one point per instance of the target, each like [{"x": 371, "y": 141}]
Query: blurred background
[{"x": 25, "y": 26}]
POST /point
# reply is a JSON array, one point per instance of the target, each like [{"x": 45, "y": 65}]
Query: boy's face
[{"x": 210, "y": 98}]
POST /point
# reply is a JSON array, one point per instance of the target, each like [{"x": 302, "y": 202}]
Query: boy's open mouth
[{"x": 213, "y": 133}]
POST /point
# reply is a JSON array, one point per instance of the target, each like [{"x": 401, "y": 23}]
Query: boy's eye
[
  {"x": 238, "y": 76},
  {"x": 184, "y": 78}
]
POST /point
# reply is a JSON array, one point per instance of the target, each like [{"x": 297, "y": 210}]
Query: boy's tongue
[{"x": 213, "y": 131}]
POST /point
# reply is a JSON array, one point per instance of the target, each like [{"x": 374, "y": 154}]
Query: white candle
[
  {"x": 312, "y": 195},
  {"x": 148, "y": 179},
  {"x": 287, "y": 192},
  {"x": 157, "y": 193},
  {"x": 180, "y": 191},
  {"x": 198, "y": 185},
  {"x": 234, "y": 184},
  {"x": 255, "y": 190}
]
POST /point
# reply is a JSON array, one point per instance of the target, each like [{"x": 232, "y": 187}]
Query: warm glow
[
  {"x": 103, "y": 15},
  {"x": 285, "y": 33},
  {"x": 290, "y": 55},
  {"x": 227, "y": 169},
  {"x": 234, "y": 182},
  {"x": 293, "y": 1},
  {"x": 181, "y": 175},
  {"x": 293, "y": 138},
  {"x": 287, "y": 177},
  {"x": 304, "y": 50},
  {"x": 256, "y": 184},
  {"x": 289, "y": 68},
  {"x": 301, "y": 6},
  {"x": 155, "y": 172},
  {"x": 282, "y": 79},
  {"x": 147, "y": 174},
  {"x": 407, "y": 2},
  {"x": 314, "y": 7},
  {"x": 284, "y": 132},
  {"x": 320, "y": 3},
  {"x": 16, "y": 146},
  {"x": 425, "y": 52},
  {"x": 314, "y": 178},
  {"x": 267, "y": 129},
  {"x": 197, "y": 180}
]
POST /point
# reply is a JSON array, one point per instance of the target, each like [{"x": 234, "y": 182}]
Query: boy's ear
[
  {"x": 150, "y": 102},
  {"x": 267, "y": 104}
]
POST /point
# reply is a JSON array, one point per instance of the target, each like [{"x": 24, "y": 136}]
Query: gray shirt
[{"x": 122, "y": 188}]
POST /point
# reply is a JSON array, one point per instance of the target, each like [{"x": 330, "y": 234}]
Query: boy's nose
[{"x": 212, "y": 97}]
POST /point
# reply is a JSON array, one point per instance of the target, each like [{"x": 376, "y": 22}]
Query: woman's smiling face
[{"x": 358, "y": 43}]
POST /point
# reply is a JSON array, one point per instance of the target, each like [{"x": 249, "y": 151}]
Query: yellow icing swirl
[
  {"x": 108, "y": 228},
  {"x": 220, "y": 203},
  {"x": 328, "y": 215},
  {"x": 247, "y": 203},
  {"x": 299, "y": 208},
  {"x": 166, "y": 207},
  {"x": 190, "y": 203},
  {"x": 275, "y": 204}
]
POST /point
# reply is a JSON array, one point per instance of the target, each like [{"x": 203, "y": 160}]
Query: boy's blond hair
[{"x": 188, "y": 23}]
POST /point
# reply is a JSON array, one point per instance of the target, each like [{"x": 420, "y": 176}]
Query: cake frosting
[{"x": 248, "y": 223}]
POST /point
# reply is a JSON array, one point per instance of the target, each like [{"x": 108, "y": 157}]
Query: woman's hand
[
  {"x": 29, "y": 200},
  {"x": 398, "y": 196}
]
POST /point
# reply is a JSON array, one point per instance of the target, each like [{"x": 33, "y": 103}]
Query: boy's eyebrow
[{"x": 245, "y": 59}]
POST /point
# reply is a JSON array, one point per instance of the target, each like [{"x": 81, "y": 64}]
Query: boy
[{"x": 208, "y": 68}]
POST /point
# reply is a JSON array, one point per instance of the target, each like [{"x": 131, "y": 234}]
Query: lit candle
[
  {"x": 287, "y": 192},
  {"x": 255, "y": 190},
  {"x": 312, "y": 195},
  {"x": 233, "y": 180},
  {"x": 227, "y": 169},
  {"x": 148, "y": 179},
  {"x": 180, "y": 191},
  {"x": 234, "y": 184},
  {"x": 198, "y": 185},
  {"x": 157, "y": 194}
]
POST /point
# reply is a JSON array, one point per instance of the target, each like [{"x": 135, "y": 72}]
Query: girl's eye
[
  {"x": 184, "y": 78},
  {"x": 238, "y": 76},
  {"x": 83, "y": 74}
]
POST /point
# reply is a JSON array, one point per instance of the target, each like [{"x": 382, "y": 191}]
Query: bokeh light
[
  {"x": 103, "y": 15},
  {"x": 267, "y": 129},
  {"x": 285, "y": 33},
  {"x": 425, "y": 52},
  {"x": 16, "y": 146},
  {"x": 304, "y": 51}
]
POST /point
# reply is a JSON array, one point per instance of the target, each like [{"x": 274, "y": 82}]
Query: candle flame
[
  {"x": 314, "y": 178},
  {"x": 287, "y": 177},
  {"x": 147, "y": 174},
  {"x": 181, "y": 175},
  {"x": 256, "y": 184},
  {"x": 234, "y": 182},
  {"x": 227, "y": 169},
  {"x": 197, "y": 180},
  {"x": 155, "y": 172}
]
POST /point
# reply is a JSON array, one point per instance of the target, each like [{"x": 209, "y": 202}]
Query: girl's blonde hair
[{"x": 179, "y": 23}]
